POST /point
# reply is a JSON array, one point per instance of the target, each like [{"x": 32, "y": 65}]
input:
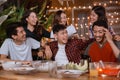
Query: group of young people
[{"x": 67, "y": 47}]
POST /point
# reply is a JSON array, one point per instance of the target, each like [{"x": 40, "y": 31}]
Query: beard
[{"x": 100, "y": 37}]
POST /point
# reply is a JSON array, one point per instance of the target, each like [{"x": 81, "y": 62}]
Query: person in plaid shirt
[{"x": 64, "y": 50}]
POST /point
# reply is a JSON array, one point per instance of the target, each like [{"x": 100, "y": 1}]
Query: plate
[
  {"x": 22, "y": 70},
  {"x": 69, "y": 73}
]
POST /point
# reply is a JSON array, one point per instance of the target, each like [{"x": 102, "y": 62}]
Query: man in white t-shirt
[{"x": 17, "y": 47}]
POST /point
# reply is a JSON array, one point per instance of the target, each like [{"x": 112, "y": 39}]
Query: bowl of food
[
  {"x": 41, "y": 66},
  {"x": 8, "y": 65},
  {"x": 23, "y": 70},
  {"x": 111, "y": 68}
]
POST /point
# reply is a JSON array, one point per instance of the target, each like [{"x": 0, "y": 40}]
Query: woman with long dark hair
[
  {"x": 98, "y": 13},
  {"x": 30, "y": 23},
  {"x": 33, "y": 29}
]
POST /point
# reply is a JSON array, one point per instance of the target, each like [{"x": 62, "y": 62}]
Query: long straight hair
[{"x": 101, "y": 12}]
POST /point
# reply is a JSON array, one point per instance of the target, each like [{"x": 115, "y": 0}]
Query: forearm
[
  {"x": 4, "y": 57},
  {"x": 115, "y": 49},
  {"x": 48, "y": 52}
]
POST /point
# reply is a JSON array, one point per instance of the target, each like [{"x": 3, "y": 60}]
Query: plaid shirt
[{"x": 73, "y": 49}]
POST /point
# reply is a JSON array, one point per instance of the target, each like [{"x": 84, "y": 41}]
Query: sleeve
[
  {"x": 4, "y": 48},
  {"x": 118, "y": 58},
  {"x": 51, "y": 34},
  {"x": 112, "y": 30},
  {"x": 45, "y": 33},
  {"x": 87, "y": 49},
  {"x": 34, "y": 43}
]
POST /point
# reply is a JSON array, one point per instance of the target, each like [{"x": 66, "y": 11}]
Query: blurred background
[{"x": 78, "y": 12}]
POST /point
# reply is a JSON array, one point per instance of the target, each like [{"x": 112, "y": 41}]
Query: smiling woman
[
  {"x": 33, "y": 29},
  {"x": 30, "y": 23}
]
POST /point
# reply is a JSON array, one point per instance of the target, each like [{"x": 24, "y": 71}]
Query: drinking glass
[
  {"x": 52, "y": 68},
  {"x": 93, "y": 69}
]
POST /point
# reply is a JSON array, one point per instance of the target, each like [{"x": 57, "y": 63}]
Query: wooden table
[{"x": 7, "y": 75}]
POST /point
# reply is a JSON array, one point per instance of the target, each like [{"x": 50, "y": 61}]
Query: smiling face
[
  {"x": 99, "y": 34},
  {"x": 63, "y": 19},
  {"x": 21, "y": 35},
  {"x": 62, "y": 36},
  {"x": 32, "y": 19},
  {"x": 93, "y": 17}
]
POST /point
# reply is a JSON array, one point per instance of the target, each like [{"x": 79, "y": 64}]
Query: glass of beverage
[
  {"x": 52, "y": 68},
  {"x": 93, "y": 69}
]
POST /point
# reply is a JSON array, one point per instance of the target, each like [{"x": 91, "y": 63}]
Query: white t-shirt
[
  {"x": 70, "y": 29},
  {"x": 61, "y": 57},
  {"x": 19, "y": 52}
]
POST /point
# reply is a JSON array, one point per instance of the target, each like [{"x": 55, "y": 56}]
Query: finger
[{"x": 40, "y": 54}]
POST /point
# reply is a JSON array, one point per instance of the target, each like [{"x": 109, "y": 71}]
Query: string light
[
  {"x": 65, "y": 8},
  {"x": 77, "y": 28},
  {"x": 116, "y": 21},
  {"x": 83, "y": 18},
  {"x": 78, "y": 19},
  {"x": 111, "y": 24},
  {"x": 76, "y": 24},
  {"x": 86, "y": 33},
  {"x": 69, "y": 8},
  {"x": 81, "y": 35},
  {"x": 90, "y": 7},
  {"x": 68, "y": 18},
  {"x": 74, "y": 7},
  {"x": 111, "y": 16},
  {"x": 110, "y": 1},
  {"x": 88, "y": 17},
  {"x": 44, "y": 16},
  {"x": 105, "y": 4},
  {"x": 81, "y": 27},
  {"x": 48, "y": 6},
  {"x": 52, "y": 7},
  {"x": 56, "y": 8},
  {"x": 100, "y": 4},
  {"x": 87, "y": 26},
  {"x": 116, "y": 2},
  {"x": 84, "y": 7},
  {"x": 79, "y": 7},
  {"x": 73, "y": 19},
  {"x": 117, "y": 18},
  {"x": 94, "y": 4},
  {"x": 60, "y": 8}
]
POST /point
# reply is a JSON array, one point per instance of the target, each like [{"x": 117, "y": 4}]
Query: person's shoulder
[
  {"x": 30, "y": 39},
  {"x": 73, "y": 40},
  {"x": 8, "y": 40},
  {"x": 53, "y": 44}
]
